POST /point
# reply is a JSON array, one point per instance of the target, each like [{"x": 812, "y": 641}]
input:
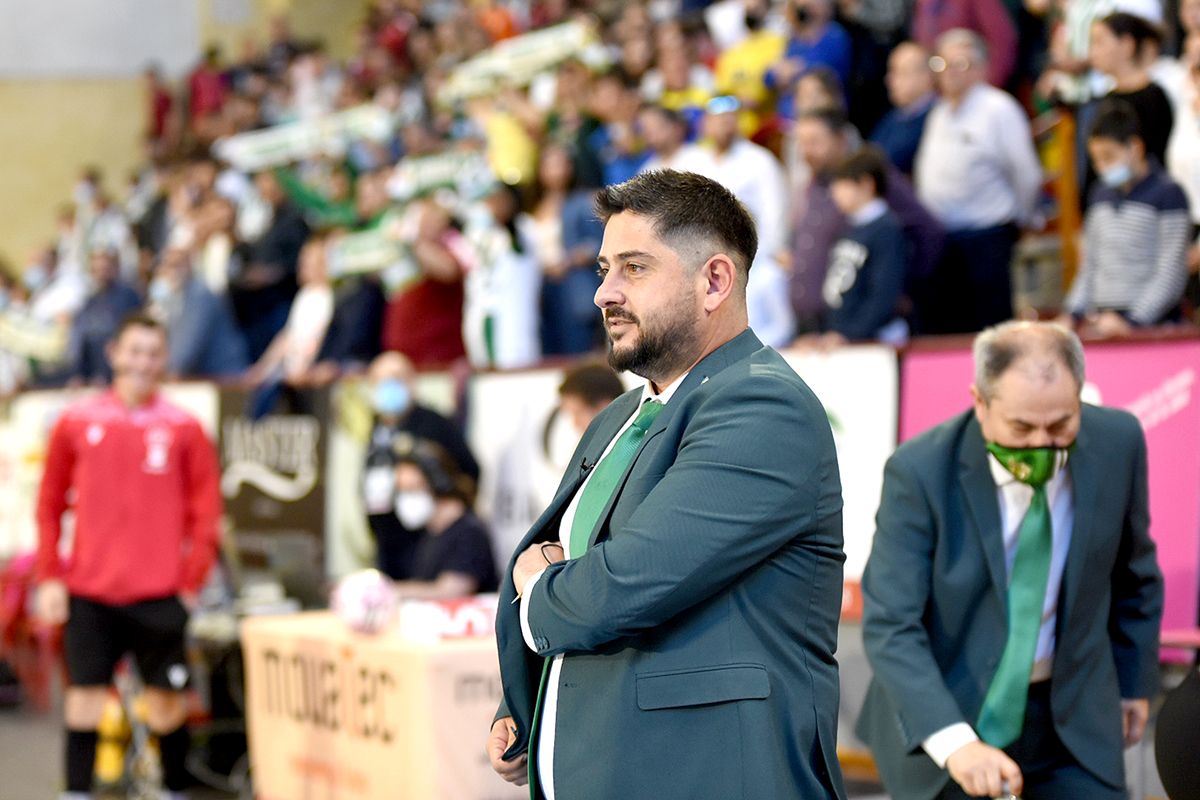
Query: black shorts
[{"x": 97, "y": 636}]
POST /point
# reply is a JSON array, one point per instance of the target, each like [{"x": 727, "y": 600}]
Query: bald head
[
  {"x": 1042, "y": 351},
  {"x": 391, "y": 365}
]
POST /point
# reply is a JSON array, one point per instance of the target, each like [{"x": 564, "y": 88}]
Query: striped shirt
[{"x": 1134, "y": 250}]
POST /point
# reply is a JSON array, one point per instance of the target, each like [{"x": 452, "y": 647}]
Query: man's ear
[{"x": 720, "y": 277}]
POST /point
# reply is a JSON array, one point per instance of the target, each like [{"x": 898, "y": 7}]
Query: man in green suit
[
  {"x": 683, "y": 649},
  {"x": 1012, "y": 598}
]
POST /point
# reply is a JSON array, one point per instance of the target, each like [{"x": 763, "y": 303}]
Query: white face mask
[
  {"x": 414, "y": 509},
  {"x": 378, "y": 486}
]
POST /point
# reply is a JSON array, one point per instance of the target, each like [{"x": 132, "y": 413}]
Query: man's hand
[
  {"x": 503, "y": 734},
  {"x": 536, "y": 558},
  {"x": 1134, "y": 714},
  {"x": 983, "y": 771},
  {"x": 51, "y": 603},
  {"x": 1109, "y": 324}
]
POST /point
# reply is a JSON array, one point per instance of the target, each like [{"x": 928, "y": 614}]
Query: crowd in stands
[{"x": 884, "y": 147}]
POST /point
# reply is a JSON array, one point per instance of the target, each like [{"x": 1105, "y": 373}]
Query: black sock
[
  {"x": 173, "y": 750},
  {"x": 81, "y": 760}
]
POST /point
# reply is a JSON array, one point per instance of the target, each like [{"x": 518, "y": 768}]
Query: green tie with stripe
[
  {"x": 592, "y": 501},
  {"x": 1003, "y": 712}
]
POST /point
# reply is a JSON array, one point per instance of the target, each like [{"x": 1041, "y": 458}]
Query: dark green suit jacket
[
  {"x": 935, "y": 598},
  {"x": 700, "y": 627}
]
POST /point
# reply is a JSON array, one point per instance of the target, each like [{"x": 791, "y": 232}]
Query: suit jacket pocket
[{"x": 702, "y": 686}]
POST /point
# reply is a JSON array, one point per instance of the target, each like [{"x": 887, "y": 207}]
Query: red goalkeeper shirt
[{"x": 146, "y": 496}]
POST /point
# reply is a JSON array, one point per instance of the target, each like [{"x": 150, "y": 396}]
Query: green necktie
[
  {"x": 604, "y": 480},
  {"x": 1003, "y": 712},
  {"x": 592, "y": 501}
]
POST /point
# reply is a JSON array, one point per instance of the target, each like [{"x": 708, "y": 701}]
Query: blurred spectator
[
  {"x": 262, "y": 290},
  {"x": 1123, "y": 47},
  {"x": 400, "y": 419},
  {"x": 293, "y": 352},
  {"x": 203, "y": 339},
  {"x": 109, "y": 230},
  {"x": 453, "y": 554},
  {"x": 331, "y": 204},
  {"x": 977, "y": 171},
  {"x": 570, "y": 122},
  {"x": 503, "y": 286},
  {"x": 1183, "y": 151},
  {"x": 815, "y": 40},
  {"x": 532, "y": 464},
  {"x": 206, "y": 92},
  {"x": 496, "y": 20},
  {"x": 424, "y": 320},
  {"x": 54, "y": 294},
  {"x": 868, "y": 265},
  {"x": 677, "y": 83},
  {"x": 353, "y": 338},
  {"x": 565, "y": 237},
  {"x": 989, "y": 19},
  {"x": 741, "y": 70},
  {"x": 1136, "y": 232},
  {"x": 825, "y": 138},
  {"x": 665, "y": 133},
  {"x": 110, "y": 301},
  {"x": 159, "y": 104},
  {"x": 884, "y": 19},
  {"x": 819, "y": 87},
  {"x": 614, "y": 102},
  {"x": 910, "y": 88},
  {"x": 756, "y": 178}
]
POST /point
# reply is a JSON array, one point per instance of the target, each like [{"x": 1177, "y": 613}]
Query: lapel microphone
[{"x": 585, "y": 465}]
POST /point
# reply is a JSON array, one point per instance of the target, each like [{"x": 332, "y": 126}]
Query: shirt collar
[
  {"x": 665, "y": 395},
  {"x": 870, "y": 212}
]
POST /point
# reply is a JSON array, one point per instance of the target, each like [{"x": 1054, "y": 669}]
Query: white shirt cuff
[
  {"x": 525, "y": 632},
  {"x": 941, "y": 745}
]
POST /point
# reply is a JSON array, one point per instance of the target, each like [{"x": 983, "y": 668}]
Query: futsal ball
[{"x": 365, "y": 601}]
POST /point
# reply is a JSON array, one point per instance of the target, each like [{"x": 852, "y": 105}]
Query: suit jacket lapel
[
  {"x": 979, "y": 488},
  {"x": 1085, "y": 469},
  {"x": 737, "y": 348}
]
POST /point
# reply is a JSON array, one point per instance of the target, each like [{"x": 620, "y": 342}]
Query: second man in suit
[{"x": 1012, "y": 597}]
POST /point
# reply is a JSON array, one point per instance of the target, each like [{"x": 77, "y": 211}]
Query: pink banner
[{"x": 1156, "y": 381}]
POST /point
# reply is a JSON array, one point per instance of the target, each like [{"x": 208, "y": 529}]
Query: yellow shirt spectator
[{"x": 740, "y": 72}]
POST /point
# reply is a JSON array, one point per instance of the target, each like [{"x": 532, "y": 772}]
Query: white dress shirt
[
  {"x": 546, "y": 731},
  {"x": 1014, "y": 498},
  {"x": 976, "y": 166}
]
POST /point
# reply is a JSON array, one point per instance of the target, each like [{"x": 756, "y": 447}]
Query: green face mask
[{"x": 1031, "y": 465}]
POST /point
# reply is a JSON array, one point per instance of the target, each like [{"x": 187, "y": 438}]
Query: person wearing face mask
[
  {"x": 1012, "y": 598},
  {"x": 1136, "y": 232},
  {"x": 399, "y": 418},
  {"x": 453, "y": 554}
]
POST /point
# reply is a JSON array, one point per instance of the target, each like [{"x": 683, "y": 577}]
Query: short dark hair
[
  {"x": 834, "y": 119},
  {"x": 1130, "y": 25},
  {"x": 674, "y": 117},
  {"x": 684, "y": 205},
  {"x": 830, "y": 81},
  {"x": 594, "y": 383},
  {"x": 1117, "y": 120},
  {"x": 137, "y": 319},
  {"x": 868, "y": 162},
  {"x": 441, "y": 472}
]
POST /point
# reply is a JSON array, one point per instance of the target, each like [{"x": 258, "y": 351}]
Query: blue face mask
[
  {"x": 391, "y": 397},
  {"x": 1117, "y": 175}
]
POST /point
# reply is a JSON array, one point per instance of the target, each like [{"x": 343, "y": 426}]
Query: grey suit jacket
[
  {"x": 700, "y": 626},
  {"x": 935, "y": 598}
]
